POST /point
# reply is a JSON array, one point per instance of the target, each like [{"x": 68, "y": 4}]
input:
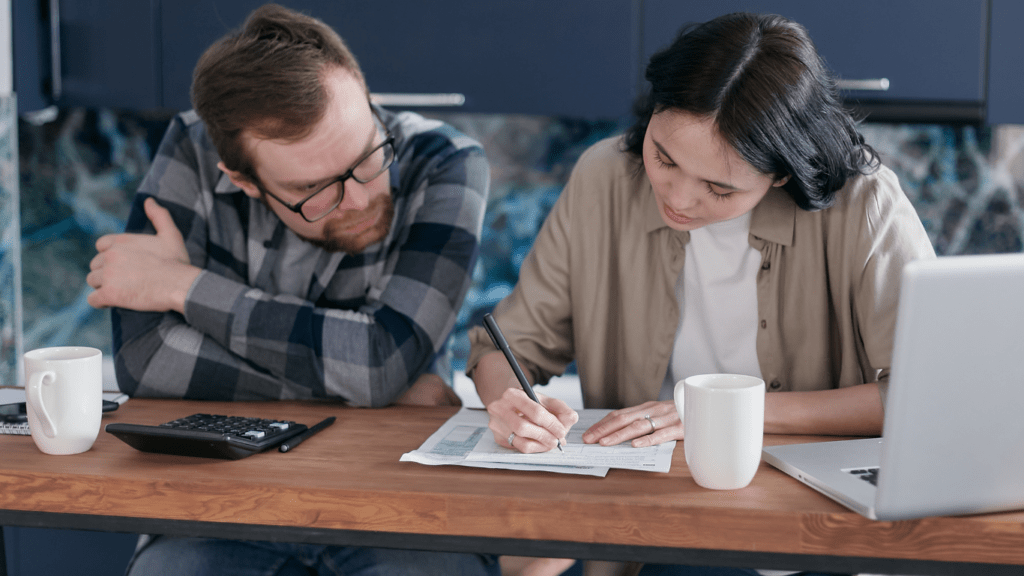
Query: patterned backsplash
[
  {"x": 79, "y": 171},
  {"x": 10, "y": 250}
]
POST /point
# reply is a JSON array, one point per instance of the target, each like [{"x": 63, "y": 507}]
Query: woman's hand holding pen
[
  {"x": 522, "y": 412},
  {"x": 646, "y": 425},
  {"x": 532, "y": 427}
]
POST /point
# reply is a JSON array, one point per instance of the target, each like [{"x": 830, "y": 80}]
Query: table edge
[{"x": 498, "y": 546}]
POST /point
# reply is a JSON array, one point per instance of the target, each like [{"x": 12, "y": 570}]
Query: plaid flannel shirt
[{"x": 368, "y": 325}]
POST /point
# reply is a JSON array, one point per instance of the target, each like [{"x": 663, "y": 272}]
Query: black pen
[
  {"x": 293, "y": 442},
  {"x": 499, "y": 340}
]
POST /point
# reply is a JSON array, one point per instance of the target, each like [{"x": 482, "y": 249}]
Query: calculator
[{"x": 208, "y": 435}]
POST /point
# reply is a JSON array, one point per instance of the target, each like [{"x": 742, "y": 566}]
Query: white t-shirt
[{"x": 717, "y": 295}]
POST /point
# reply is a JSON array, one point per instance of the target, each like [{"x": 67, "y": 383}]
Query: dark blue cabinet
[
  {"x": 572, "y": 57},
  {"x": 1006, "y": 63},
  {"x": 30, "y": 44},
  {"x": 933, "y": 53},
  {"x": 105, "y": 53},
  {"x": 108, "y": 51}
]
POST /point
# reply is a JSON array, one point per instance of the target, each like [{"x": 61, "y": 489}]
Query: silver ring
[
  {"x": 651, "y": 420},
  {"x": 511, "y": 437}
]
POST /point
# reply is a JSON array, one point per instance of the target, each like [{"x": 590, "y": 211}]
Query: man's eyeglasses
[{"x": 328, "y": 196}]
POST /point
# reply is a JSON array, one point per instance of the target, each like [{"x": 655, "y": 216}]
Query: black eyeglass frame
[{"x": 389, "y": 140}]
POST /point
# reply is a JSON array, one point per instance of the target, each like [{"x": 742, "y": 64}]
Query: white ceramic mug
[
  {"x": 64, "y": 394},
  {"x": 723, "y": 428}
]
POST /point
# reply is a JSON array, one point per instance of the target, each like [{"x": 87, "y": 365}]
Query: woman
[{"x": 741, "y": 225}]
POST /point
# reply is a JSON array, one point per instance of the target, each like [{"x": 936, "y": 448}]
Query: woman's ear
[
  {"x": 238, "y": 179},
  {"x": 781, "y": 181}
]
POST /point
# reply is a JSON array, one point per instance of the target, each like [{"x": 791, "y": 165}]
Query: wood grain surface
[{"x": 349, "y": 477}]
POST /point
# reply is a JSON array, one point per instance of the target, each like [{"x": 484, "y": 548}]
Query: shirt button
[
  {"x": 764, "y": 323},
  {"x": 775, "y": 385}
]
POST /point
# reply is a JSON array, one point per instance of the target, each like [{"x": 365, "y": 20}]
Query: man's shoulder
[
  {"x": 426, "y": 136},
  {"x": 187, "y": 128},
  {"x": 429, "y": 150},
  {"x": 187, "y": 125},
  {"x": 189, "y": 117},
  {"x": 187, "y": 139}
]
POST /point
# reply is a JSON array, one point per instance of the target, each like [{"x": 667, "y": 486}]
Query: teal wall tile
[{"x": 10, "y": 247}]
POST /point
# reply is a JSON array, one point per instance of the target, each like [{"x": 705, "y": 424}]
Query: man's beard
[{"x": 336, "y": 240}]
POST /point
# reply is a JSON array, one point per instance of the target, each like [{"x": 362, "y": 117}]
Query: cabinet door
[
  {"x": 30, "y": 55},
  {"x": 109, "y": 51},
  {"x": 572, "y": 57},
  {"x": 929, "y": 50},
  {"x": 106, "y": 51},
  {"x": 1006, "y": 71}
]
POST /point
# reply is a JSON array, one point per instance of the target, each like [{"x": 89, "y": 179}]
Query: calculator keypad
[{"x": 236, "y": 426}]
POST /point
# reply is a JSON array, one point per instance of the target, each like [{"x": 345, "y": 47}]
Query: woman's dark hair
[
  {"x": 267, "y": 78},
  {"x": 772, "y": 98}
]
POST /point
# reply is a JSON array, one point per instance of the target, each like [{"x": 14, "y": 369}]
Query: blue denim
[
  {"x": 171, "y": 556},
  {"x": 679, "y": 570}
]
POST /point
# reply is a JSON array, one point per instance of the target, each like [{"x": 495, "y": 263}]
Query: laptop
[{"x": 953, "y": 436}]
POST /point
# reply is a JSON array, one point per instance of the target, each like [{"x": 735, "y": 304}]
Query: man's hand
[
  {"x": 429, "y": 390},
  {"x": 144, "y": 272}
]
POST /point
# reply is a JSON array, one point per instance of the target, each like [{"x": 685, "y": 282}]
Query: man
[{"x": 292, "y": 241}]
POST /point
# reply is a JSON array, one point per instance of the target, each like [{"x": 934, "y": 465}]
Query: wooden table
[{"x": 347, "y": 486}]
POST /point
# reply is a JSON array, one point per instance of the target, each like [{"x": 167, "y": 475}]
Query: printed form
[{"x": 465, "y": 440}]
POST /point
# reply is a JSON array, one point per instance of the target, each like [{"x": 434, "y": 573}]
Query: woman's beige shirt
[{"x": 598, "y": 285}]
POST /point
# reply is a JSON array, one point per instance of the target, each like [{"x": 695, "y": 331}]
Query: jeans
[
  {"x": 682, "y": 570},
  {"x": 171, "y": 556},
  {"x": 677, "y": 570}
]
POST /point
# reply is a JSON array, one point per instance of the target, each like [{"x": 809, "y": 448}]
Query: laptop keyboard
[{"x": 867, "y": 474}]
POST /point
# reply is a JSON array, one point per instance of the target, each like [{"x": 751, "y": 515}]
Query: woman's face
[{"x": 697, "y": 178}]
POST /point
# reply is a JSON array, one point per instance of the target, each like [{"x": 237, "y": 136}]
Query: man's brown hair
[{"x": 267, "y": 78}]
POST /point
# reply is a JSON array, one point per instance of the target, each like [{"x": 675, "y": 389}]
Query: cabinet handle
[
  {"x": 55, "y": 81},
  {"x": 409, "y": 99},
  {"x": 876, "y": 84}
]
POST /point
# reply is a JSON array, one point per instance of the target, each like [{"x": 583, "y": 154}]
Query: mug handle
[{"x": 35, "y": 396}]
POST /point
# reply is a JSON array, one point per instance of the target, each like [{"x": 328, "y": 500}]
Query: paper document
[
  {"x": 465, "y": 440},
  {"x": 457, "y": 438},
  {"x": 654, "y": 458}
]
